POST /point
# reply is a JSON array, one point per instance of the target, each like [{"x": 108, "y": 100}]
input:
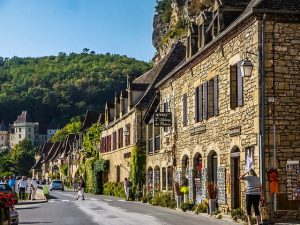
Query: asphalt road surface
[{"x": 64, "y": 209}]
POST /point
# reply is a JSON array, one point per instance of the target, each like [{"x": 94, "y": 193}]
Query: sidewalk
[{"x": 28, "y": 202}]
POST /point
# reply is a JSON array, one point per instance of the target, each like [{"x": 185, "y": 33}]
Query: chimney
[
  {"x": 121, "y": 104},
  {"x": 116, "y": 110},
  {"x": 129, "y": 98}
]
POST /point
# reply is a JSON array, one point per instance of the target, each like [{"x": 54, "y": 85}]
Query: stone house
[
  {"x": 124, "y": 127},
  {"x": 4, "y": 136},
  {"x": 24, "y": 128},
  {"x": 221, "y": 114}
]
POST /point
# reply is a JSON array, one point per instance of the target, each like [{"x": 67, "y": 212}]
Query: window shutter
[
  {"x": 184, "y": 116},
  {"x": 240, "y": 85},
  {"x": 216, "y": 95},
  {"x": 200, "y": 102},
  {"x": 205, "y": 103},
  {"x": 197, "y": 104},
  {"x": 233, "y": 86}
]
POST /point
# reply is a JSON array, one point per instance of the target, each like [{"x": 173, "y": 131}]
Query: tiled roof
[
  {"x": 234, "y": 3},
  {"x": 68, "y": 144},
  {"x": 51, "y": 152},
  {"x": 90, "y": 118},
  {"x": 138, "y": 86},
  {"x": 3, "y": 127},
  {"x": 162, "y": 69},
  {"x": 286, "y": 5},
  {"x": 23, "y": 118},
  {"x": 56, "y": 150}
]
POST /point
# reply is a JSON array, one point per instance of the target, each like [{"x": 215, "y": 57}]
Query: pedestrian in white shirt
[
  {"x": 22, "y": 187},
  {"x": 34, "y": 187}
]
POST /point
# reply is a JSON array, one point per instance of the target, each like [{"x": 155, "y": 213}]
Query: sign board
[
  {"x": 198, "y": 188},
  {"x": 191, "y": 188},
  {"x": 162, "y": 119},
  {"x": 203, "y": 178},
  {"x": 221, "y": 183},
  {"x": 234, "y": 131},
  {"x": 198, "y": 130}
]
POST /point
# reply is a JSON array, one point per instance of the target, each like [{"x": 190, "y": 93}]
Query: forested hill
[{"x": 56, "y": 88}]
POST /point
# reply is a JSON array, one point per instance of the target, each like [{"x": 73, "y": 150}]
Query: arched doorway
[
  {"x": 157, "y": 178},
  {"x": 235, "y": 174},
  {"x": 118, "y": 174},
  {"x": 150, "y": 179},
  {"x": 197, "y": 169},
  {"x": 185, "y": 170},
  {"x": 212, "y": 166}
]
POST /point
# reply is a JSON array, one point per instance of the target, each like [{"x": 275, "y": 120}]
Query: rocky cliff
[{"x": 170, "y": 23}]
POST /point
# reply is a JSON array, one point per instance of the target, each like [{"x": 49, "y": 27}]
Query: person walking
[
  {"x": 34, "y": 188},
  {"x": 22, "y": 185},
  {"x": 126, "y": 188},
  {"x": 253, "y": 194},
  {"x": 81, "y": 189},
  {"x": 12, "y": 182},
  {"x": 30, "y": 190}
]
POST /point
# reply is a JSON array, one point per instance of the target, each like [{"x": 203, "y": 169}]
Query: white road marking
[
  {"x": 65, "y": 200},
  {"x": 107, "y": 200}
]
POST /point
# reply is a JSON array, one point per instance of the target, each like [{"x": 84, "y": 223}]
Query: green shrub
[
  {"x": 119, "y": 190},
  {"x": 108, "y": 188},
  {"x": 237, "y": 214},
  {"x": 219, "y": 216},
  {"x": 149, "y": 197},
  {"x": 216, "y": 212},
  {"x": 200, "y": 208},
  {"x": 184, "y": 206}
]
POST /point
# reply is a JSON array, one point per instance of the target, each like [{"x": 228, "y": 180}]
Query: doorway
[
  {"x": 235, "y": 181},
  {"x": 212, "y": 167}
]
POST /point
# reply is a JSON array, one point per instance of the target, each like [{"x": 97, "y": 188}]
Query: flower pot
[
  {"x": 178, "y": 201},
  {"x": 212, "y": 205},
  {"x": 186, "y": 198}
]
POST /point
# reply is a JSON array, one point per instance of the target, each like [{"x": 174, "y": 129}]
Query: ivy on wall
[
  {"x": 91, "y": 140},
  {"x": 137, "y": 174}
]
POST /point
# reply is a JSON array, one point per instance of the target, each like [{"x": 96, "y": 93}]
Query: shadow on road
[
  {"x": 33, "y": 222},
  {"x": 33, "y": 207}
]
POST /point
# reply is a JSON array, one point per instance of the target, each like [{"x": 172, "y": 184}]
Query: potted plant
[
  {"x": 7, "y": 202},
  {"x": 185, "y": 190},
  {"x": 212, "y": 192}
]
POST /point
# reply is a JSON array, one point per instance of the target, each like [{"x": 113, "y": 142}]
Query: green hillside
[{"x": 55, "y": 88}]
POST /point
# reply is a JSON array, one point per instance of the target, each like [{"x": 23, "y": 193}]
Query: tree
[
  {"x": 22, "y": 156},
  {"x": 91, "y": 140},
  {"x": 85, "y": 50},
  {"x": 72, "y": 127}
]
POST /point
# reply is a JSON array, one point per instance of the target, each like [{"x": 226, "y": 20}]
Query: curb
[{"x": 31, "y": 202}]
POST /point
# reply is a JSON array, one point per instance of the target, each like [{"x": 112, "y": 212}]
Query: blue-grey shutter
[
  {"x": 200, "y": 102},
  {"x": 205, "y": 100},
  {"x": 197, "y": 104},
  {"x": 216, "y": 95},
  {"x": 240, "y": 85},
  {"x": 184, "y": 117}
]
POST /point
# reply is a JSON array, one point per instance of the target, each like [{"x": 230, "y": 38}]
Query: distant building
[
  {"x": 24, "y": 129},
  {"x": 4, "y": 136},
  {"x": 50, "y": 133}
]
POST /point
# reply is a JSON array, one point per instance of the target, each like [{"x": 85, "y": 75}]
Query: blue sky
[{"x": 46, "y": 27}]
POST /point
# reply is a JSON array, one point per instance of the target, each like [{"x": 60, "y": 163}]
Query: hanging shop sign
[{"x": 162, "y": 119}]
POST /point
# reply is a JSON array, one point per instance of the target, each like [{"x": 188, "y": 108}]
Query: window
[
  {"x": 164, "y": 178},
  {"x": 29, "y": 129},
  {"x": 199, "y": 104},
  {"x": 20, "y": 136},
  {"x": 29, "y": 136},
  {"x": 211, "y": 98},
  {"x": 170, "y": 177},
  {"x": 114, "y": 140},
  {"x": 184, "y": 110},
  {"x": 120, "y": 138},
  {"x": 118, "y": 174},
  {"x": 236, "y": 86},
  {"x": 19, "y": 129},
  {"x": 201, "y": 35},
  {"x": 127, "y": 135}
]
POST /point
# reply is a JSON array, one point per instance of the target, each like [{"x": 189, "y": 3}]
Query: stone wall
[
  {"x": 283, "y": 84},
  {"x": 215, "y": 135}
]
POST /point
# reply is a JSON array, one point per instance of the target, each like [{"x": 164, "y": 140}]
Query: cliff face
[{"x": 170, "y": 23}]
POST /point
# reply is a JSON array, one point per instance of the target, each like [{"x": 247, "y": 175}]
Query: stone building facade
[
  {"x": 124, "y": 126},
  {"x": 220, "y": 116}
]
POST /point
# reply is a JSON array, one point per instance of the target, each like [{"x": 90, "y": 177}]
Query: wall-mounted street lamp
[{"x": 247, "y": 66}]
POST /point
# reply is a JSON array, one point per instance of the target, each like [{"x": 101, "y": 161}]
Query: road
[{"x": 64, "y": 209}]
